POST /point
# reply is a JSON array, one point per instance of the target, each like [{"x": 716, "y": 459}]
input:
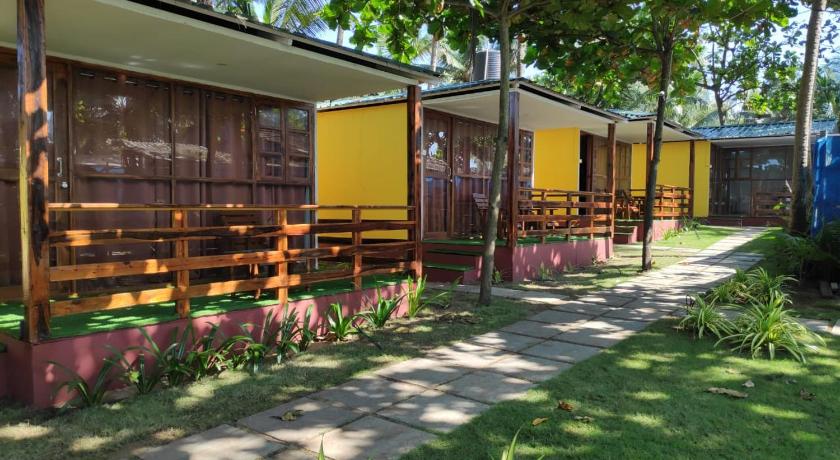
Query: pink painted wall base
[
  {"x": 27, "y": 376},
  {"x": 525, "y": 260}
]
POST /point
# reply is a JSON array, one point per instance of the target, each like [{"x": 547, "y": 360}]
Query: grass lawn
[
  {"x": 164, "y": 415},
  {"x": 702, "y": 238},
  {"x": 646, "y": 399}
]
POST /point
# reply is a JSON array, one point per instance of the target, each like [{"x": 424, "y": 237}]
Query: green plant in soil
[
  {"x": 144, "y": 375},
  {"x": 381, "y": 310},
  {"x": 308, "y": 334},
  {"x": 769, "y": 326},
  {"x": 414, "y": 296},
  {"x": 86, "y": 395},
  {"x": 703, "y": 317},
  {"x": 341, "y": 326}
]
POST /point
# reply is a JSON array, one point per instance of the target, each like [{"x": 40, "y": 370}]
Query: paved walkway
[{"x": 401, "y": 406}]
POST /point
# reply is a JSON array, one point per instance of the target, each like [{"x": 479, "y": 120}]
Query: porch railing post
[
  {"x": 692, "y": 165},
  {"x": 33, "y": 168},
  {"x": 611, "y": 160},
  {"x": 182, "y": 277},
  {"x": 357, "y": 245},
  {"x": 282, "y": 267},
  {"x": 414, "y": 176},
  {"x": 513, "y": 168}
]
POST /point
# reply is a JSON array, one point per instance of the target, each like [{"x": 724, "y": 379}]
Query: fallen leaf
[
  {"x": 748, "y": 384},
  {"x": 727, "y": 392},
  {"x": 539, "y": 421},
  {"x": 806, "y": 395},
  {"x": 289, "y": 415},
  {"x": 584, "y": 418},
  {"x": 565, "y": 406}
]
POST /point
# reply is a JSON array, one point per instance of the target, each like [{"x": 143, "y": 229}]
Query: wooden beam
[
  {"x": 513, "y": 168},
  {"x": 414, "y": 176},
  {"x": 282, "y": 267},
  {"x": 611, "y": 161},
  {"x": 182, "y": 277},
  {"x": 357, "y": 258},
  {"x": 33, "y": 137},
  {"x": 691, "y": 167}
]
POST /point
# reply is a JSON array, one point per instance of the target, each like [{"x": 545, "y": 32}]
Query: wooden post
[
  {"x": 282, "y": 219},
  {"x": 414, "y": 176},
  {"x": 357, "y": 258},
  {"x": 513, "y": 168},
  {"x": 611, "y": 160},
  {"x": 33, "y": 168},
  {"x": 182, "y": 277},
  {"x": 691, "y": 168}
]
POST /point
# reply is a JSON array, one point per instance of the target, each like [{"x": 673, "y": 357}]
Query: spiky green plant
[
  {"x": 308, "y": 334},
  {"x": 381, "y": 310},
  {"x": 172, "y": 360},
  {"x": 414, "y": 296},
  {"x": 763, "y": 286},
  {"x": 289, "y": 330},
  {"x": 145, "y": 375},
  {"x": 703, "y": 317},
  {"x": 340, "y": 325},
  {"x": 545, "y": 273},
  {"x": 734, "y": 291},
  {"x": 770, "y": 326},
  {"x": 86, "y": 394}
]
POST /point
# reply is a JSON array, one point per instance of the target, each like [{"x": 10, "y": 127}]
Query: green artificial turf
[
  {"x": 114, "y": 431},
  {"x": 702, "y": 238},
  {"x": 11, "y": 314},
  {"x": 646, "y": 398}
]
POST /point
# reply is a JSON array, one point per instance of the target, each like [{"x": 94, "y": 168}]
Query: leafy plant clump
[
  {"x": 545, "y": 273},
  {"x": 86, "y": 394},
  {"x": 703, "y": 317},
  {"x": 414, "y": 296},
  {"x": 340, "y": 325},
  {"x": 381, "y": 310},
  {"x": 770, "y": 326}
]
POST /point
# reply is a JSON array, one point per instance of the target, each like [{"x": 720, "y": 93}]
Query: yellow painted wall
[
  {"x": 361, "y": 159},
  {"x": 557, "y": 158},
  {"x": 673, "y": 170}
]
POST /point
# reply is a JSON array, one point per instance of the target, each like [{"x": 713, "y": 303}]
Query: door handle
[{"x": 59, "y": 164}]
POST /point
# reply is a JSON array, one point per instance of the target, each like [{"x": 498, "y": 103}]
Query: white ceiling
[
  {"x": 135, "y": 37},
  {"x": 636, "y": 132}
]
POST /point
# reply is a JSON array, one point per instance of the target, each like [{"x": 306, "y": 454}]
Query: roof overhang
[
  {"x": 635, "y": 131},
  {"x": 175, "y": 39},
  {"x": 539, "y": 108},
  {"x": 768, "y": 141}
]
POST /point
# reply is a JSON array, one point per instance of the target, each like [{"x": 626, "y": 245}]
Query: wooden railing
[
  {"x": 771, "y": 204},
  {"x": 550, "y": 212},
  {"x": 273, "y": 231},
  {"x": 670, "y": 202}
]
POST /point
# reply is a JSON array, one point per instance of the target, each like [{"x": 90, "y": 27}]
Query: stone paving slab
[
  {"x": 221, "y": 443},
  {"x": 298, "y": 454},
  {"x": 562, "y": 351},
  {"x": 640, "y": 314},
  {"x": 531, "y": 368},
  {"x": 608, "y": 299},
  {"x": 560, "y": 317},
  {"x": 603, "y": 332},
  {"x": 371, "y": 438},
  {"x": 434, "y": 410},
  {"x": 590, "y": 309},
  {"x": 488, "y": 387},
  {"x": 369, "y": 394},
  {"x": 534, "y": 329},
  {"x": 316, "y": 418},
  {"x": 465, "y": 355},
  {"x": 425, "y": 372},
  {"x": 505, "y": 340}
]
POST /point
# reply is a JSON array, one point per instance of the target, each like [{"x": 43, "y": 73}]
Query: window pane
[
  {"x": 190, "y": 153},
  {"x": 230, "y": 131},
  {"x": 298, "y": 167},
  {"x": 768, "y": 164},
  {"x": 298, "y": 119}
]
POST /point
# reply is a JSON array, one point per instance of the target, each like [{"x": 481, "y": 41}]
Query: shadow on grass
[
  {"x": 169, "y": 414},
  {"x": 646, "y": 399}
]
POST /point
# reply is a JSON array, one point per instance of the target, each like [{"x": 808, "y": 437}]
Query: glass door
[{"x": 437, "y": 176}]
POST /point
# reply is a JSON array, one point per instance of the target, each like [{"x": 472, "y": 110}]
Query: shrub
[
  {"x": 734, "y": 291},
  {"x": 769, "y": 325},
  {"x": 307, "y": 334},
  {"x": 381, "y": 310},
  {"x": 414, "y": 296},
  {"x": 288, "y": 332},
  {"x": 172, "y": 360},
  {"x": 340, "y": 325},
  {"x": 145, "y": 376},
  {"x": 762, "y": 286},
  {"x": 702, "y": 317},
  {"x": 86, "y": 394}
]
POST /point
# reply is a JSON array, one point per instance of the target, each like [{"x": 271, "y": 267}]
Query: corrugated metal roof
[{"x": 762, "y": 129}]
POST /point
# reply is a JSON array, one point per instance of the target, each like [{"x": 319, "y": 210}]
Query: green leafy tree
[
  {"x": 301, "y": 16},
  {"x": 462, "y": 23},
  {"x": 623, "y": 41}
]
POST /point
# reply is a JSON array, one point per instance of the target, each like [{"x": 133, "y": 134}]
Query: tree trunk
[
  {"x": 802, "y": 181},
  {"x": 666, "y": 58},
  {"x": 433, "y": 52},
  {"x": 339, "y": 36},
  {"x": 492, "y": 223},
  {"x": 720, "y": 112}
]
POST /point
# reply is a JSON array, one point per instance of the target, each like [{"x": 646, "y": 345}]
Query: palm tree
[{"x": 300, "y": 16}]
